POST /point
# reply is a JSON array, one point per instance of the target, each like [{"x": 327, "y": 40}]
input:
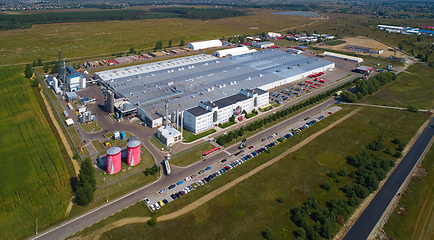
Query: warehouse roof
[
  {"x": 232, "y": 51},
  {"x": 197, "y": 111},
  {"x": 346, "y": 57},
  {"x": 204, "y": 44},
  {"x": 224, "y": 102}
]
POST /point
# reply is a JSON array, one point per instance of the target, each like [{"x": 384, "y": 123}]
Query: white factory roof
[
  {"x": 204, "y": 44},
  {"x": 342, "y": 56},
  {"x": 168, "y": 131},
  {"x": 390, "y": 27},
  {"x": 232, "y": 51}
]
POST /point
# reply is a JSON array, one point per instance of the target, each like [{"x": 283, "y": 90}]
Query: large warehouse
[
  {"x": 188, "y": 81},
  {"x": 205, "y": 44}
]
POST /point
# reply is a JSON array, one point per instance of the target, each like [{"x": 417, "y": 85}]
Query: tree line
[
  {"x": 371, "y": 169},
  {"x": 368, "y": 86},
  {"x": 227, "y": 138},
  {"x": 16, "y": 21}
]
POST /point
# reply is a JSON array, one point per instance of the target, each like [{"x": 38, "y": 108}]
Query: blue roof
[
  {"x": 426, "y": 31},
  {"x": 71, "y": 72}
]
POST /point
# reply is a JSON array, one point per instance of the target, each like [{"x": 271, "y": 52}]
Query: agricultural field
[
  {"x": 413, "y": 217},
  {"x": 92, "y": 39},
  {"x": 248, "y": 210},
  {"x": 414, "y": 86},
  {"x": 35, "y": 181}
]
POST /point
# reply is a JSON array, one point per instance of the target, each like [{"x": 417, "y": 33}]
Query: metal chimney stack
[
  {"x": 167, "y": 112},
  {"x": 60, "y": 74},
  {"x": 177, "y": 119}
]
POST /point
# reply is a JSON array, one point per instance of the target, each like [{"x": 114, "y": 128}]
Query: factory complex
[{"x": 209, "y": 89}]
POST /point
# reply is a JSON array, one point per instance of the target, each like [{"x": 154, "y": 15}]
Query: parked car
[
  {"x": 224, "y": 160},
  {"x": 201, "y": 171},
  {"x": 171, "y": 186},
  {"x": 146, "y": 200},
  {"x": 152, "y": 207},
  {"x": 180, "y": 182},
  {"x": 207, "y": 168},
  {"x": 162, "y": 190}
]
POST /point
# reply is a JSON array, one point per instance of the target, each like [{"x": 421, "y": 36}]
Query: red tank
[
  {"x": 113, "y": 159},
  {"x": 133, "y": 153}
]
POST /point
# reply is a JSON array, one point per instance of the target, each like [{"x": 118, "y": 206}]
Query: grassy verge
[
  {"x": 252, "y": 114},
  {"x": 415, "y": 87},
  {"x": 412, "y": 218},
  {"x": 226, "y": 124},
  {"x": 348, "y": 75},
  {"x": 190, "y": 155},
  {"x": 91, "y": 127},
  {"x": 190, "y": 137},
  {"x": 254, "y": 206},
  {"x": 158, "y": 144},
  {"x": 98, "y": 146}
]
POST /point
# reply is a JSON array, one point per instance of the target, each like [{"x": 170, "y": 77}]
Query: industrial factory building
[
  {"x": 74, "y": 79},
  {"x": 193, "y": 81},
  {"x": 211, "y": 113},
  {"x": 204, "y": 44}
]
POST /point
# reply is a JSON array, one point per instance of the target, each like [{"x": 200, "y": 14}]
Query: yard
[
  {"x": 190, "y": 137},
  {"x": 91, "y": 127}
]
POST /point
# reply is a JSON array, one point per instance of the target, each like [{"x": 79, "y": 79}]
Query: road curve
[{"x": 372, "y": 214}]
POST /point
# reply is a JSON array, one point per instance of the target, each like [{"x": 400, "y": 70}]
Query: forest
[{"x": 16, "y": 21}]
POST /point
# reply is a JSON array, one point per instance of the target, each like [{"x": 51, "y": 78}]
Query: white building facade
[
  {"x": 211, "y": 113},
  {"x": 205, "y": 44}
]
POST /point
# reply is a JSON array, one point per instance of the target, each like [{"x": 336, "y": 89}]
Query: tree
[
  {"x": 400, "y": 46},
  {"x": 39, "y": 63},
  {"x": 332, "y": 174},
  {"x": 132, "y": 50},
  {"x": 182, "y": 43},
  {"x": 158, "y": 45},
  {"x": 268, "y": 233},
  {"x": 398, "y": 154},
  {"x": 170, "y": 43},
  {"x": 347, "y": 96},
  {"x": 241, "y": 132},
  {"x": 86, "y": 185},
  {"x": 388, "y": 151},
  {"x": 412, "y": 108},
  {"x": 46, "y": 67},
  {"x": 221, "y": 141},
  {"x": 35, "y": 83},
  {"x": 396, "y": 141},
  {"x": 326, "y": 185},
  {"x": 153, "y": 221},
  {"x": 232, "y": 118},
  {"x": 401, "y": 147},
  {"x": 55, "y": 68},
  {"x": 28, "y": 73},
  {"x": 342, "y": 172},
  {"x": 34, "y": 64}
]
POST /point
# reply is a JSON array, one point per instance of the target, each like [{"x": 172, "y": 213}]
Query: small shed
[{"x": 71, "y": 96}]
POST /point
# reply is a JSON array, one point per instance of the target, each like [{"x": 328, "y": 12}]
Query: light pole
[
  {"x": 36, "y": 226},
  {"x": 107, "y": 193}
]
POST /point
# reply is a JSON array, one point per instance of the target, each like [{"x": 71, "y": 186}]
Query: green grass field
[
  {"x": 227, "y": 124},
  {"x": 254, "y": 207},
  {"x": 190, "y": 155},
  {"x": 190, "y": 137},
  {"x": 413, "y": 217},
  {"x": 412, "y": 87},
  {"x": 35, "y": 181},
  {"x": 94, "y": 126},
  {"x": 92, "y": 39}
]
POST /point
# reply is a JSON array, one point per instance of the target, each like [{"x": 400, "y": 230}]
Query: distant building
[
  {"x": 273, "y": 35},
  {"x": 71, "y": 96},
  {"x": 363, "y": 69},
  {"x": 74, "y": 79},
  {"x": 232, "y": 52},
  {"x": 169, "y": 135},
  {"x": 211, "y": 113},
  {"x": 344, "y": 57},
  {"x": 262, "y": 45},
  {"x": 204, "y": 44}
]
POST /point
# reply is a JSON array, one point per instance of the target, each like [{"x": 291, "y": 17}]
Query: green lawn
[
  {"x": 35, "y": 181},
  {"x": 415, "y": 87},
  {"x": 252, "y": 114},
  {"x": 226, "y": 124},
  {"x": 158, "y": 144},
  {"x": 190, "y": 155},
  {"x": 90, "y": 127},
  {"x": 254, "y": 207},
  {"x": 412, "y": 218},
  {"x": 98, "y": 146},
  {"x": 190, "y": 137},
  {"x": 335, "y": 42}
]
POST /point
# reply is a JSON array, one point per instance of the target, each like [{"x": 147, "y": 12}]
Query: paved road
[
  {"x": 372, "y": 214},
  {"x": 72, "y": 226}
]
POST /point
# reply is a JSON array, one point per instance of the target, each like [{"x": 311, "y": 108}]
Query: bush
[
  {"x": 268, "y": 233},
  {"x": 280, "y": 200},
  {"x": 396, "y": 141},
  {"x": 401, "y": 147},
  {"x": 412, "y": 108},
  {"x": 342, "y": 172},
  {"x": 76, "y": 156},
  {"x": 398, "y": 154},
  {"x": 153, "y": 221},
  {"x": 326, "y": 186},
  {"x": 35, "y": 83},
  {"x": 332, "y": 174},
  {"x": 388, "y": 151}
]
